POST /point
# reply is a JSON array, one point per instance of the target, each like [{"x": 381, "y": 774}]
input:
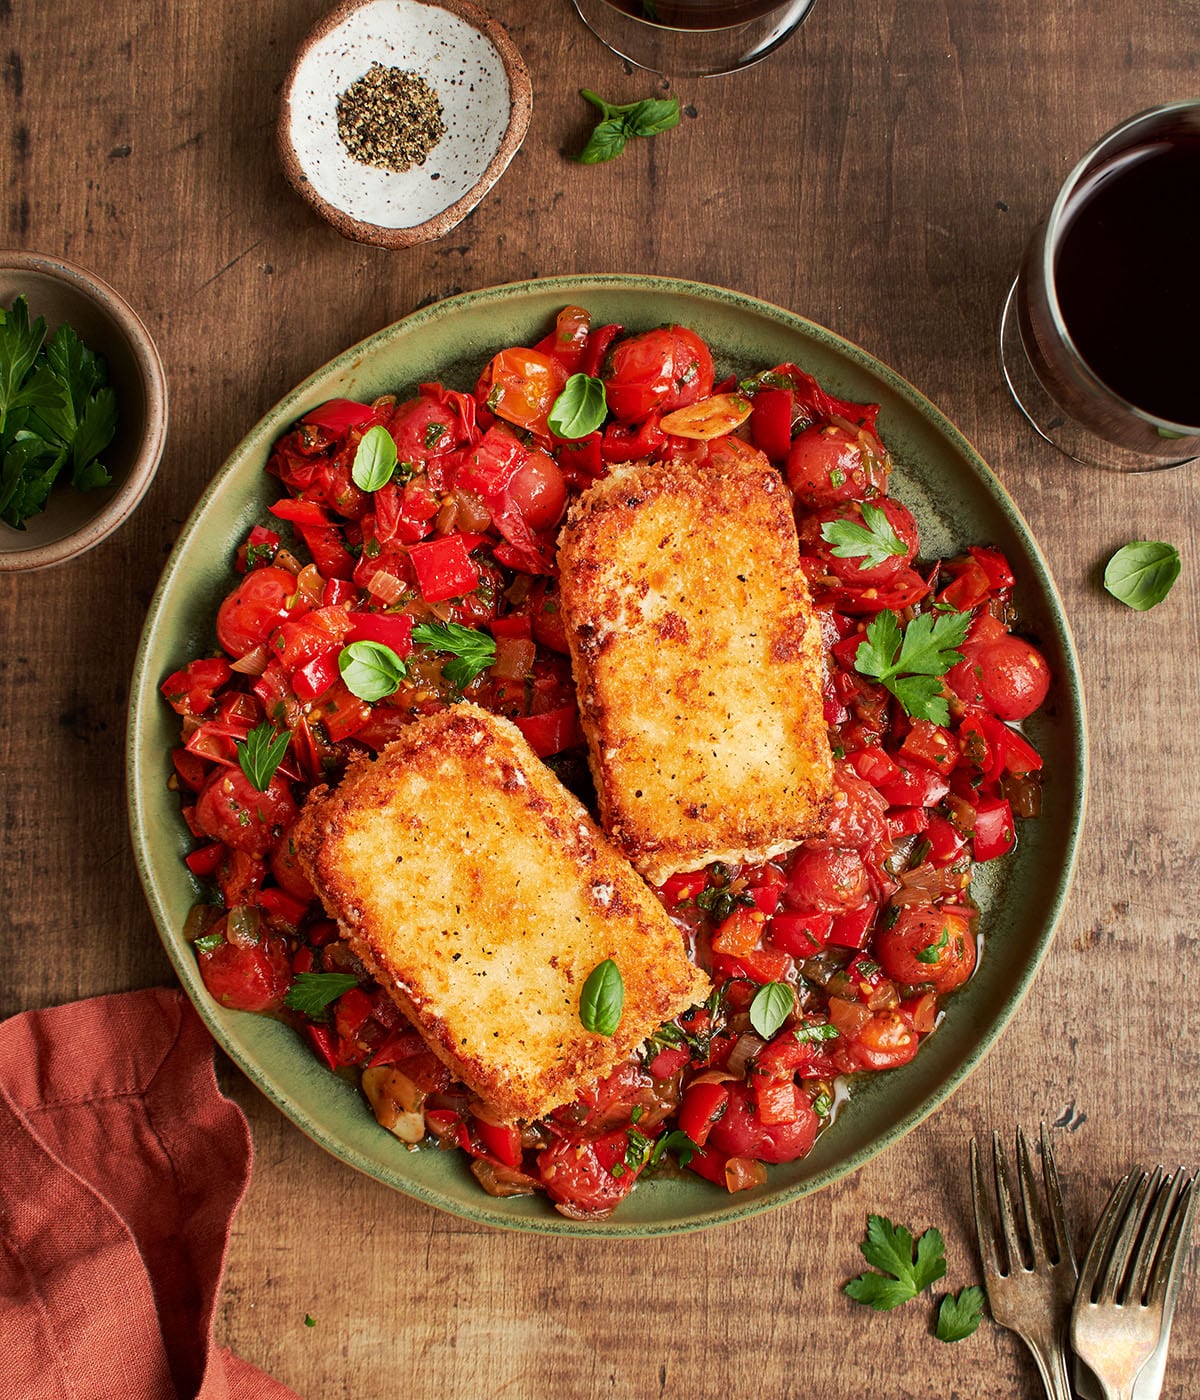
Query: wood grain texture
[{"x": 880, "y": 175}]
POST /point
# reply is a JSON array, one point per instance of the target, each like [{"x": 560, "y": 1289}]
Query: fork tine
[
  {"x": 1148, "y": 1245},
  {"x": 1058, "y": 1218},
  {"x": 1034, "y": 1230},
  {"x": 1008, "y": 1224},
  {"x": 1164, "y": 1280},
  {"x": 984, "y": 1232},
  {"x": 1112, "y": 1287},
  {"x": 1089, "y": 1274}
]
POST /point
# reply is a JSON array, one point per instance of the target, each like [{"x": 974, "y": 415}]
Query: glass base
[
  {"x": 692, "y": 53},
  {"x": 1050, "y": 422}
]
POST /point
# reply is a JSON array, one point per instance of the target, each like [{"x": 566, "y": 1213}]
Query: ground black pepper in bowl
[{"x": 390, "y": 118}]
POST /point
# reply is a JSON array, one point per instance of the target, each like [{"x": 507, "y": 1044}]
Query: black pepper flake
[{"x": 390, "y": 118}]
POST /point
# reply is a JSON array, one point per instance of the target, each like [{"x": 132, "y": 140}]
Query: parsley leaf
[
  {"x": 602, "y": 999},
  {"x": 890, "y": 1248},
  {"x": 773, "y": 1003},
  {"x": 312, "y": 992},
  {"x": 959, "y": 1315},
  {"x": 873, "y": 542},
  {"x": 619, "y": 121},
  {"x": 261, "y": 753},
  {"x": 1141, "y": 574},
  {"x": 911, "y": 662},
  {"x": 473, "y": 651},
  {"x": 676, "y": 1141}
]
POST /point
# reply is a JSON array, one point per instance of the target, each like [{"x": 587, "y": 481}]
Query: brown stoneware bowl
[
  {"x": 74, "y": 521},
  {"x": 485, "y": 95}
]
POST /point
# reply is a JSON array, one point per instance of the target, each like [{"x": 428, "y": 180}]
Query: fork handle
[{"x": 1052, "y": 1364}]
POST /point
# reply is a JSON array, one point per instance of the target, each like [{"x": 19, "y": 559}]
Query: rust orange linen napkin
[{"x": 121, "y": 1167}]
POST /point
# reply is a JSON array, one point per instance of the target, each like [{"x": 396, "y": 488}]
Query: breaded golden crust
[
  {"x": 481, "y": 894},
  {"x": 697, "y": 661}
]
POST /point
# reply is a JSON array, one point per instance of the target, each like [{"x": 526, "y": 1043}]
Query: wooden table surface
[{"x": 879, "y": 175}]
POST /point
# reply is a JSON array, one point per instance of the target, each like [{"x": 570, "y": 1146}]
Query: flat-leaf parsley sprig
[
  {"x": 621, "y": 120},
  {"x": 873, "y": 542},
  {"x": 905, "y": 1273},
  {"x": 911, "y": 661},
  {"x": 261, "y": 753}
]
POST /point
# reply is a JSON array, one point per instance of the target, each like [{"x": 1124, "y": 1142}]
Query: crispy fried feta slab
[
  {"x": 477, "y": 889},
  {"x": 697, "y": 661}
]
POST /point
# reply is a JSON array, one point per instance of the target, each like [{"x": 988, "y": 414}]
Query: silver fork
[
  {"x": 1130, "y": 1278},
  {"x": 1032, "y": 1299}
]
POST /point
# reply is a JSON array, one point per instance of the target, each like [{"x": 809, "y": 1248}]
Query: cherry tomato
[
  {"x": 827, "y": 881},
  {"x": 288, "y": 874},
  {"x": 424, "y": 427},
  {"x": 247, "y": 979},
  {"x": 925, "y": 945},
  {"x": 886, "y": 1041},
  {"x": 857, "y": 812},
  {"x": 520, "y": 386},
  {"x": 827, "y": 465},
  {"x": 740, "y": 1132},
  {"x": 539, "y": 491},
  {"x": 578, "y": 1173},
  {"x": 232, "y": 810},
  {"x": 1013, "y": 677},
  {"x": 665, "y": 369},
  {"x": 254, "y": 609}
]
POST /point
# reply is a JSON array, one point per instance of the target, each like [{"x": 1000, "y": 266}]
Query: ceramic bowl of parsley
[{"x": 83, "y": 410}]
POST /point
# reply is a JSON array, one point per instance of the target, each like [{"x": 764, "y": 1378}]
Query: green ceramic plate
[{"x": 957, "y": 501}]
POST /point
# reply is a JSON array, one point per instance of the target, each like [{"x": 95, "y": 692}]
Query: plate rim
[{"x": 726, "y": 1209}]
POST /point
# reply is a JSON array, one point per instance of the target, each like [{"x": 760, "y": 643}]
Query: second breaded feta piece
[
  {"x": 477, "y": 889},
  {"x": 697, "y": 661}
]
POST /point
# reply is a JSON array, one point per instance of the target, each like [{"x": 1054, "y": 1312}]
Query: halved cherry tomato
[
  {"x": 827, "y": 881},
  {"x": 886, "y": 1041},
  {"x": 827, "y": 464},
  {"x": 927, "y": 945},
  {"x": 520, "y": 386},
  {"x": 254, "y": 609}
]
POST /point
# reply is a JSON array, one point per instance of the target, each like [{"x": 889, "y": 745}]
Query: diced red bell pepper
[
  {"x": 258, "y": 550},
  {"x": 599, "y": 342},
  {"x": 580, "y": 457},
  {"x": 710, "y": 1165},
  {"x": 766, "y": 896},
  {"x": 323, "y": 1043},
  {"x": 983, "y": 740},
  {"x": 946, "y": 842},
  {"x": 191, "y": 769},
  {"x": 519, "y": 625},
  {"x": 968, "y": 588},
  {"x": 850, "y": 930},
  {"x": 915, "y": 787},
  {"x": 204, "y": 861},
  {"x": 761, "y": 965},
  {"x": 802, "y": 935},
  {"x": 622, "y": 444},
  {"x": 668, "y": 1061},
  {"x": 338, "y": 416},
  {"x": 740, "y": 933},
  {"x": 906, "y": 821},
  {"x": 391, "y": 629},
  {"x": 678, "y": 889},
  {"x": 400, "y": 1044},
  {"x": 771, "y": 423},
  {"x": 776, "y": 1100},
  {"x": 343, "y": 713},
  {"x": 552, "y": 731},
  {"x": 700, "y": 1108},
  {"x": 443, "y": 568},
  {"x": 994, "y": 564},
  {"x": 329, "y": 554},
  {"x": 995, "y": 834},
  {"x": 337, "y": 591},
  {"x": 278, "y": 905},
  {"x": 874, "y": 766},
  {"x": 502, "y": 1141},
  {"x": 314, "y": 677},
  {"x": 932, "y": 745},
  {"x": 300, "y": 512},
  {"x": 352, "y": 1012}
]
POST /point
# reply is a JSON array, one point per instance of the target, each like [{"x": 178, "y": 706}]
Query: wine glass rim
[{"x": 1113, "y": 141}]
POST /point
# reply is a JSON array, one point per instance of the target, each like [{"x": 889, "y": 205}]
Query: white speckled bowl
[{"x": 479, "y": 78}]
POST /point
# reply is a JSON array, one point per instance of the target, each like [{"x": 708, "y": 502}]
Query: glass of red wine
[
  {"x": 693, "y": 38},
  {"x": 1100, "y": 335}
]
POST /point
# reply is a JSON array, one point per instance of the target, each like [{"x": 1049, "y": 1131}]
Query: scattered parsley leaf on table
[
  {"x": 873, "y": 542},
  {"x": 1142, "y": 573},
  {"x": 959, "y": 1314},
  {"x": 619, "y": 121},
  {"x": 312, "y": 992},
  {"x": 905, "y": 1274},
  {"x": 912, "y": 661}
]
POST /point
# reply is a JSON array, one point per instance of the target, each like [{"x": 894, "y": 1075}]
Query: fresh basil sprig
[
  {"x": 602, "y": 999},
  {"x": 472, "y": 651},
  {"x": 374, "y": 459},
  {"x": 772, "y": 1005},
  {"x": 580, "y": 408},
  {"x": 621, "y": 120},
  {"x": 371, "y": 670},
  {"x": 261, "y": 753},
  {"x": 1142, "y": 573}
]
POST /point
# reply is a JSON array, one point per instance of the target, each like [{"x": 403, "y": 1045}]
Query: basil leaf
[
  {"x": 371, "y": 670},
  {"x": 654, "y": 114},
  {"x": 606, "y": 142},
  {"x": 602, "y": 999},
  {"x": 771, "y": 1007},
  {"x": 375, "y": 459},
  {"x": 311, "y": 992},
  {"x": 1142, "y": 573},
  {"x": 580, "y": 408},
  {"x": 261, "y": 753}
]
